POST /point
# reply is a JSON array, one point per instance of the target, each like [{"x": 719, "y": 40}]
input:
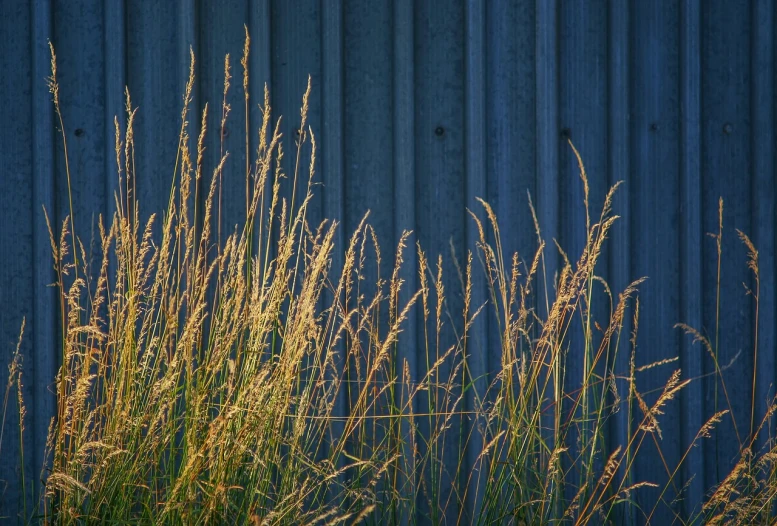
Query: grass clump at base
[{"x": 204, "y": 381}]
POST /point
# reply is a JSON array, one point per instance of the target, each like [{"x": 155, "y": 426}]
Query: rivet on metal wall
[
  {"x": 728, "y": 128},
  {"x": 439, "y": 131},
  {"x": 79, "y": 132},
  {"x": 225, "y": 132},
  {"x": 654, "y": 127}
]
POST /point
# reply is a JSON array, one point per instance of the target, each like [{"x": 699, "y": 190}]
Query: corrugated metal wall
[{"x": 421, "y": 107}]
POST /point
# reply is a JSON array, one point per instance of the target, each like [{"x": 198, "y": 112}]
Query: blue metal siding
[
  {"x": 418, "y": 108},
  {"x": 17, "y": 233}
]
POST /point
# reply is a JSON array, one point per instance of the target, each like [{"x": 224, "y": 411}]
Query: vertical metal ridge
[
  {"x": 259, "y": 75},
  {"x": 692, "y": 399},
  {"x": 405, "y": 199},
  {"x": 332, "y": 120},
  {"x": 763, "y": 196},
  {"x": 187, "y": 31},
  {"x": 619, "y": 170},
  {"x": 547, "y": 145},
  {"x": 404, "y": 117},
  {"x": 188, "y": 39},
  {"x": 115, "y": 59},
  {"x": 475, "y": 186},
  {"x": 548, "y": 135},
  {"x": 333, "y": 168},
  {"x": 43, "y": 195},
  {"x": 259, "y": 63},
  {"x": 260, "y": 59}
]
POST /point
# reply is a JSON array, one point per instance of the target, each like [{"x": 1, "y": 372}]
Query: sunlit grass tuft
[{"x": 201, "y": 373}]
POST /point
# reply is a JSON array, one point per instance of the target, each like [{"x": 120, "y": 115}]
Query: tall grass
[{"x": 200, "y": 379}]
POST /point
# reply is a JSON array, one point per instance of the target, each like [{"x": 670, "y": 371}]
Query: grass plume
[{"x": 201, "y": 373}]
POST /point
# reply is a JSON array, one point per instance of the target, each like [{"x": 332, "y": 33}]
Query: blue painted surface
[{"x": 418, "y": 110}]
